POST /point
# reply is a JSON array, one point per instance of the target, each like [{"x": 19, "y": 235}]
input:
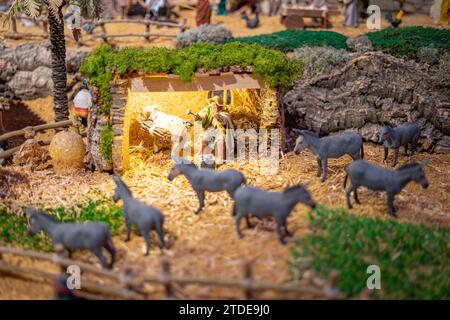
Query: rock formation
[
  {"x": 369, "y": 90},
  {"x": 27, "y": 72}
]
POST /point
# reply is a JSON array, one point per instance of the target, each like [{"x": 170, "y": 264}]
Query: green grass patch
[
  {"x": 106, "y": 140},
  {"x": 406, "y": 42},
  {"x": 414, "y": 259},
  {"x": 289, "y": 40},
  {"x": 14, "y": 228},
  {"x": 105, "y": 63}
]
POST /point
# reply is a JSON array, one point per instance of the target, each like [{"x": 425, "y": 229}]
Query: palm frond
[
  {"x": 54, "y": 6},
  {"x": 12, "y": 11},
  {"x": 90, "y": 8},
  {"x": 31, "y": 7}
]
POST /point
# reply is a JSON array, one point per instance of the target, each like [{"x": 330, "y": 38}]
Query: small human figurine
[
  {"x": 203, "y": 14},
  {"x": 222, "y": 8},
  {"x": 83, "y": 103},
  {"x": 351, "y": 13},
  {"x": 218, "y": 128}
]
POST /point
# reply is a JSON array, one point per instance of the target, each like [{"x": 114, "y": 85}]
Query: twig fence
[
  {"x": 147, "y": 34},
  {"x": 43, "y": 24},
  {"x": 127, "y": 286},
  {"x": 29, "y": 132}
]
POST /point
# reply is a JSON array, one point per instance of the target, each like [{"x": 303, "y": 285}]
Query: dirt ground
[{"x": 207, "y": 245}]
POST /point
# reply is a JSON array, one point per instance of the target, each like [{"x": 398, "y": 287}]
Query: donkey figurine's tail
[
  {"x": 362, "y": 151},
  {"x": 345, "y": 179}
]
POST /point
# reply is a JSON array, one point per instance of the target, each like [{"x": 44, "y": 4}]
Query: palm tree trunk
[{"x": 59, "y": 72}]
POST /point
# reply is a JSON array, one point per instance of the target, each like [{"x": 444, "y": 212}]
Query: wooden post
[
  {"x": 248, "y": 280},
  {"x": 14, "y": 24},
  {"x": 166, "y": 279},
  {"x": 45, "y": 26},
  {"x": 147, "y": 31},
  {"x": 104, "y": 33}
]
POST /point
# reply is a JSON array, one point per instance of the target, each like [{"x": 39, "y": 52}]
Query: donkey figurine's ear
[{"x": 424, "y": 163}]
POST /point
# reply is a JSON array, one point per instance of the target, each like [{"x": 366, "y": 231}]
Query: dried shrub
[
  {"x": 429, "y": 55},
  {"x": 204, "y": 34},
  {"x": 317, "y": 60},
  {"x": 443, "y": 74},
  {"x": 360, "y": 44}
]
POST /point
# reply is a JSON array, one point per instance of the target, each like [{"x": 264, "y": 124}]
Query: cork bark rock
[{"x": 366, "y": 92}]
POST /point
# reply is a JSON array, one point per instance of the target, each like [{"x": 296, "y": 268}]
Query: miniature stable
[{"x": 250, "y": 101}]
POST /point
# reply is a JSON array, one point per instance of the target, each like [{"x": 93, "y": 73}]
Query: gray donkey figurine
[
  {"x": 394, "y": 138},
  {"x": 92, "y": 236},
  {"x": 146, "y": 218},
  {"x": 261, "y": 203},
  {"x": 324, "y": 148},
  {"x": 363, "y": 173},
  {"x": 203, "y": 180}
]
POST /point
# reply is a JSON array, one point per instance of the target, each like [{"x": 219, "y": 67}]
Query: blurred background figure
[
  {"x": 203, "y": 14},
  {"x": 351, "y": 13},
  {"x": 222, "y": 8},
  {"x": 82, "y": 103},
  {"x": 397, "y": 19},
  {"x": 318, "y": 4}
]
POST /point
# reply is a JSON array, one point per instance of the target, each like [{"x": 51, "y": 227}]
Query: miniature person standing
[
  {"x": 83, "y": 103},
  {"x": 351, "y": 13},
  {"x": 222, "y": 8},
  {"x": 218, "y": 128},
  {"x": 203, "y": 15}
]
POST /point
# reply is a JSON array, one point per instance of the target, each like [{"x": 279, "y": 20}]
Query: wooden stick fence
[
  {"x": 147, "y": 34},
  {"x": 29, "y": 132},
  {"x": 128, "y": 288},
  {"x": 16, "y": 35}
]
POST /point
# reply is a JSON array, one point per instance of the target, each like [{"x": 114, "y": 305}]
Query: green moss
[
  {"x": 289, "y": 40},
  {"x": 104, "y": 63},
  {"x": 406, "y": 42},
  {"x": 107, "y": 136},
  {"x": 413, "y": 259},
  {"x": 14, "y": 228}
]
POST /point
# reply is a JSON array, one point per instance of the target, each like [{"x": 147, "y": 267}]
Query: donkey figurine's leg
[
  {"x": 110, "y": 248},
  {"x": 128, "y": 227},
  {"x": 201, "y": 199},
  {"x": 98, "y": 252},
  {"x": 160, "y": 232},
  {"x": 325, "y": 169},
  {"x": 348, "y": 190},
  {"x": 394, "y": 160},
  {"x": 390, "y": 203},
  {"x": 386, "y": 153},
  {"x": 319, "y": 167},
  {"x": 355, "y": 195},
  {"x": 280, "y": 232},
  {"x": 289, "y": 234},
  {"x": 238, "y": 226},
  {"x": 148, "y": 242}
]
